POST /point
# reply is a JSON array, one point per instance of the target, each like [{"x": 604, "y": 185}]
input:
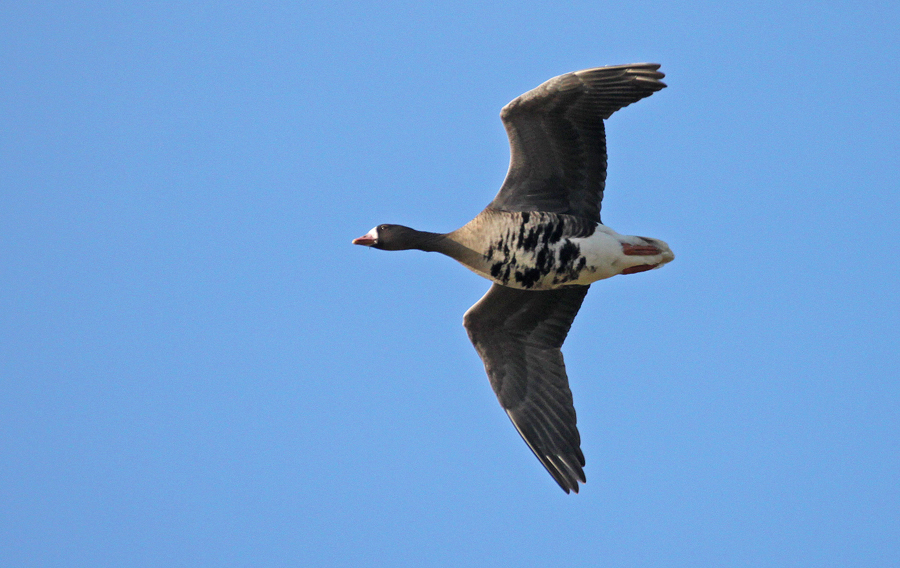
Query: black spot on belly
[
  {"x": 496, "y": 268},
  {"x": 544, "y": 260},
  {"x": 525, "y": 217},
  {"x": 571, "y": 263},
  {"x": 521, "y": 238},
  {"x": 528, "y": 277},
  {"x": 531, "y": 241},
  {"x": 557, "y": 233},
  {"x": 548, "y": 232},
  {"x": 567, "y": 255}
]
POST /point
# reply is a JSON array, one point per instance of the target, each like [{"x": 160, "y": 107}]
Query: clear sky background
[{"x": 198, "y": 369}]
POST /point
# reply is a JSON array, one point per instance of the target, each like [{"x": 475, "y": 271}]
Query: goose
[{"x": 541, "y": 243}]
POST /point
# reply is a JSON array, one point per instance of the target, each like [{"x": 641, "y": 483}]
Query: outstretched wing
[
  {"x": 557, "y": 140},
  {"x": 518, "y": 334}
]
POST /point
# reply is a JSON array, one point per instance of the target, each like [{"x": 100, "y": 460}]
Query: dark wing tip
[
  {"x": 634, "y": 69},
  {"x": 567, "y": 474},
  {"x": 616, "y": 86},
  {"x": 564, "y": 463}
]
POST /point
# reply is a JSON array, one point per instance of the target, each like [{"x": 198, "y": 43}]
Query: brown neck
[
  {"x": 429, "y": 242},
  {"x": 447, "y": 245}
]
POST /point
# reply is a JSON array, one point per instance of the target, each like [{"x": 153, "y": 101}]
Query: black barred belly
[{"x": 534, "y": 256}]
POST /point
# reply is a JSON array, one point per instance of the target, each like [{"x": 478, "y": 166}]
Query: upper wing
[
  {"x": 557, "y": 141},
  {"x": 518, "y": 334}
]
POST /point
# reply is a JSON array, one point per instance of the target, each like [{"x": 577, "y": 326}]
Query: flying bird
[{"x": 542, "y": 244}]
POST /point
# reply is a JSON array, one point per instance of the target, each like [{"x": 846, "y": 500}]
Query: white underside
[
  {"x": 603, "y": 254},
  {"x": 605, "y": 257}
]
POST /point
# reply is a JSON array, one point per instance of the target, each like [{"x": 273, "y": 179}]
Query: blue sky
[{"x": 198, "y": 369}]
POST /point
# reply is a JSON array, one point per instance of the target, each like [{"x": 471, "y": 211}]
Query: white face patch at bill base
[{"x": 373, "y": 234}]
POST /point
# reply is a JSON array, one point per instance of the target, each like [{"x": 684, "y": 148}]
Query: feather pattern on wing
[
  {"x": 518, "y": 334},
  {"x": 558, "y": 142}
]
